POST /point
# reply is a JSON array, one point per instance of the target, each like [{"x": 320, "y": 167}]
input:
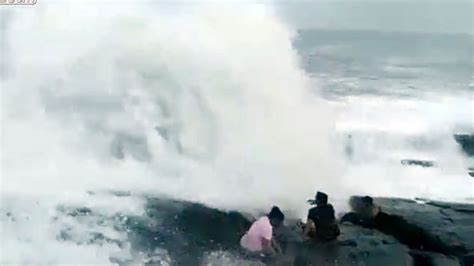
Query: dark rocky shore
[{"x": 185, "y": 233}]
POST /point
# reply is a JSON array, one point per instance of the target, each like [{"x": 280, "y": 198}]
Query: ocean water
[
  {"x": 398, "y": 96},
  {"x": 223, "y": 104}
]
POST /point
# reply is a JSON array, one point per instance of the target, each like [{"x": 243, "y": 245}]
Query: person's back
[
  {"x": 362, "y": 213},
  {"x": 322, "y": 215},
  {"x": 323, "y": 218},
  {"x": 325, "y": 222},
  {"x": 252, "y": 240},
  {"x": 259, "y": 237}
]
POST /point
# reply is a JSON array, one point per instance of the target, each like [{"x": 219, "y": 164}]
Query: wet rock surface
[
  {"x": 471, "y": 171},
  {"x": 466, "y": 141},
  {"x": 355, "y": 246},
  {"x": 191, "y": 231},
  {"x": 422, "y": 163},
  {"x": 450, "y": 224},
  {"x": 173, "y": 232}
]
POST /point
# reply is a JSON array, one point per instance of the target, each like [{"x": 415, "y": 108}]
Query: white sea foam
[
  {"x": 203, "y": 102},
  {"x": 199, "y": 102}
]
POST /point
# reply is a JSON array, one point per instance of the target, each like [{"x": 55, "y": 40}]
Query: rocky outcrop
[
  {"x": 466, "y": 141},
  {"x": 190, "y": 231},
  {"x": 447, "y": 225},
  {"x": 422, "y": 163},
  {"x": 471, "y": 172},
  {"x": 186, "y": 233}
]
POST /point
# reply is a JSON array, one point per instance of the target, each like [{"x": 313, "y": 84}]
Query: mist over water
[{"x": 204, "y": 102}]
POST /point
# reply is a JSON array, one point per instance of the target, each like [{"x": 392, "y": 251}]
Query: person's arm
[
  {"x": 267, "y": 246},
  {"x": 266, "y": 234},
  {"x": 348, "y": 217},
  {"x": 375, "y": 211},
  {"x": 310, "y": 226},
  {"x": 276, "y": 246}
]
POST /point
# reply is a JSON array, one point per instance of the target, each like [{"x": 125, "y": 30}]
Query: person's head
[
  {"x": 276, "y": 216},
  {"x": 361, "y": 204},
  {"x": 320, "y": 198}
]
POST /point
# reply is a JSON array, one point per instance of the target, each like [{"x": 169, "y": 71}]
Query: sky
[{"x": 432, "y": 16}]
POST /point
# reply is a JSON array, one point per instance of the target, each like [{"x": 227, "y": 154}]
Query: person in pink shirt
[{"x": 259, "y": 238}]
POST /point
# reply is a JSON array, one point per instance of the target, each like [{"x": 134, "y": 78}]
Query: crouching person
[{"x": 259, "y": 238}]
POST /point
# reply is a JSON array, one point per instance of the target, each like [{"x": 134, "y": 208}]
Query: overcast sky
[{"x": 449, "y": 16}]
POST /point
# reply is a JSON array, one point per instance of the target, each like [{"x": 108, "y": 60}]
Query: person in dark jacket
[
  {"x": 365, "y": 213},
  {"x": 321, "y": 223}
]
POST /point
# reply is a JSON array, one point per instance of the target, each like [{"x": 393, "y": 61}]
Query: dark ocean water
[
  {"x": 387, "y": 63},
  {"x": 401, "y": 95}
]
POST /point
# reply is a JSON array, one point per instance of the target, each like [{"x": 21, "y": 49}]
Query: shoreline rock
[{"x": 190, "y": 233}]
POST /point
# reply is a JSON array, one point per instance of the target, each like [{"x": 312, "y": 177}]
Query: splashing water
[
  {"x": 204, "y": 102},
  {"x": 199, "y": 102}
]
